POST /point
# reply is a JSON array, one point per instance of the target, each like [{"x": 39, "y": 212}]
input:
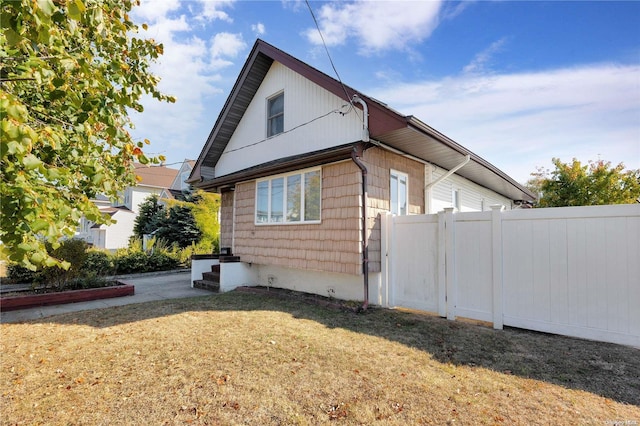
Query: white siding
[
  {"x": 304, "y": 101},
  {"x": 117, "y": 235},
  {"x": 139, "y": 195},
  {"x": 473, "y": 197}
]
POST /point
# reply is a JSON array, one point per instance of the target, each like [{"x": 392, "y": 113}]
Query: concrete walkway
[{"x": 148, "y": 287}]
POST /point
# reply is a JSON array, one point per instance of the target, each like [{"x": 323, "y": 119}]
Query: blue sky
[{"x": 516, "y": 82}]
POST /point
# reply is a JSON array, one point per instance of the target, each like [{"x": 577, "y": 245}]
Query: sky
[{"x": 516, "y": 82}]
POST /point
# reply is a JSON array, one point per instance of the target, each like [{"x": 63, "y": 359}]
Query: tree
[
  {"x": 206, "y": 206},
  {"x": 70, "y": 72},
  {"x": 597, "y": 183},
  {"x": 180, "y": 227},
  {"x": 150, "y": 217},
  {"x": 176, "y": 225}
]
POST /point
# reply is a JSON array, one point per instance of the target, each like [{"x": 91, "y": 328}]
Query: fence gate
[{"x": 413, "y": 243}]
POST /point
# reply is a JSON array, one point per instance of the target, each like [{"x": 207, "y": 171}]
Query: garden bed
[{"x": 30, "y": 300}]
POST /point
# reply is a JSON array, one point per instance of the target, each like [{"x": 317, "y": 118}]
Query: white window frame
[
  {"x": 271, "y": 117},
  {"x": 399, "y": 176},
  {"x": 284, "y": 177}
]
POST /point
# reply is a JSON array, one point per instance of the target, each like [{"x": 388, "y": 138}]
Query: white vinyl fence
[{"x": 573, "y": 271}]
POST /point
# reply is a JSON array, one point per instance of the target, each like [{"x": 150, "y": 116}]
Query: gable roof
[
  {"x": 187, "y": 166},
  {"x": 404, "y": 133},
  {"x": 155, "y": 176}
]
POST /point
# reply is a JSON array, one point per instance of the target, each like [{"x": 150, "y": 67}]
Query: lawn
[{"x": 241, "y": 358}]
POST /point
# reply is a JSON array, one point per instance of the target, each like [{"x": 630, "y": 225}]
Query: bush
[
  {"x": 73, "y": 251},
  {"x": 98, "y": 263},
  {"x": 131, "y": 262},
  {"x": 159, "y": 261},
  {"x": 20, "y": 274},
  {"x": 91, "y": 281},
  {"x": 89, "y": 266}
]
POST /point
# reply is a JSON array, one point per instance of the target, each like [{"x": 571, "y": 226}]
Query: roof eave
[
  {"x": 284, "y": 165},
  {"x": 453, "y": 145}
]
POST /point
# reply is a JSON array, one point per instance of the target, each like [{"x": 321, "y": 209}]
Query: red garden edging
[{"x": 11, "y": 303}]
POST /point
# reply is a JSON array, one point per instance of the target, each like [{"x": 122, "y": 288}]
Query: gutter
[{"x": 356, "y": 154}]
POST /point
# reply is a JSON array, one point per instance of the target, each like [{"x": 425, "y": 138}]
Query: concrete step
[
  {"x": 213, "y": 276},
  {"x": 207, "y": 285}
]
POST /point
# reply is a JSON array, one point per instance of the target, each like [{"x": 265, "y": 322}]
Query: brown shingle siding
[
  {"x": 226, "y": 219},
  {"x": 331, "y": 245},
  {"x": 379, "y": 163}
]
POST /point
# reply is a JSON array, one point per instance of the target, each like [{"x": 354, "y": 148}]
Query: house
[
  {"x": 179, "y": 187},
  {"x": 306, "y": 165},
  {"x": 152, "y": 180}
]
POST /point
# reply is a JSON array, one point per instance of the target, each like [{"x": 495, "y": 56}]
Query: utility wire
[
  {"x": 328, "y": 54},
  {"x": 337, "y": 110}
]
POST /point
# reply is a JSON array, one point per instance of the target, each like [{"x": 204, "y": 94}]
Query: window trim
[
  {"x": 271, "y": 117},
  {"x": 284, "y": 176},
  {"x": 399, "y": 174}
]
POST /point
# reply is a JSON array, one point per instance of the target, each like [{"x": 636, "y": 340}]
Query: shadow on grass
[{"x": 609, "y": 370}]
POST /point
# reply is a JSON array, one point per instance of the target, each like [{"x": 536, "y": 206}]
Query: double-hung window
[
  {"x": 275, "y": 115},
  {"x": 399, "y": 193},
  {"x": 290, "y": 198}
]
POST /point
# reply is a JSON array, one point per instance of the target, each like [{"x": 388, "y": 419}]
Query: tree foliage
[
  {"x": 574, "y": 184},
  {"x": 151, "y": 214},
  {"x": 180, "y": 226},
  {"x": 70, "y": 72},
  {"x": 176, "y": 225},
  {"x": 205, "y": 211}
]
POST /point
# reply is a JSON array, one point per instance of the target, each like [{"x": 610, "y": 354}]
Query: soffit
[{"x": 423, "y": 142}]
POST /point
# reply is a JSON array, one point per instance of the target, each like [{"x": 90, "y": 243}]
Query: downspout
[
  {"x": 356, "y": 154},
  {"x": 358, "y": 150}
]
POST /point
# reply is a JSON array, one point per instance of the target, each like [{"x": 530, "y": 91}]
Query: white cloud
[
  {"x": 227, "y": 45},
  {"x": 481, "y": 61},
  {"x": 212, "y": 10},
  {"x": 520, "y": 121},
  {"x": 154, "y": 10},
  {"x": 376, "y": 26},
  {"x": 187, "y": 70},
  {"x": 258, "y": 28}
]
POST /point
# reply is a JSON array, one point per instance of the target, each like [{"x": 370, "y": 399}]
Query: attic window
[{"x": 275, "y": 115}]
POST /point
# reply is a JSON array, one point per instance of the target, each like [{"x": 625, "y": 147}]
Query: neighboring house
[
  {"x": 300, "y": 159},
  {"x": 179, "y": 187},
  {"x": 152, "y": 180},
  {"x": 116, "y": 235}
]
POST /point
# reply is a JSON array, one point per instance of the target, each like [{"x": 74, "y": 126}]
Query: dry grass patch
[{"x": 248, "y": 359}]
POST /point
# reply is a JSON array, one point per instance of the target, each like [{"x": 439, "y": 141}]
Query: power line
[
  {"x": 337, "y": 110},
  {"x": 328, "y": 54}
]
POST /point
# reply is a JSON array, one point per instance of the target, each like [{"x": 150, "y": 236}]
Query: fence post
[
  {"x": 449, "y": 259},
  {"x": 496, "y": 267},
  {"x": 386, "y": 257},
  {"x": 442, "y": 272}
]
